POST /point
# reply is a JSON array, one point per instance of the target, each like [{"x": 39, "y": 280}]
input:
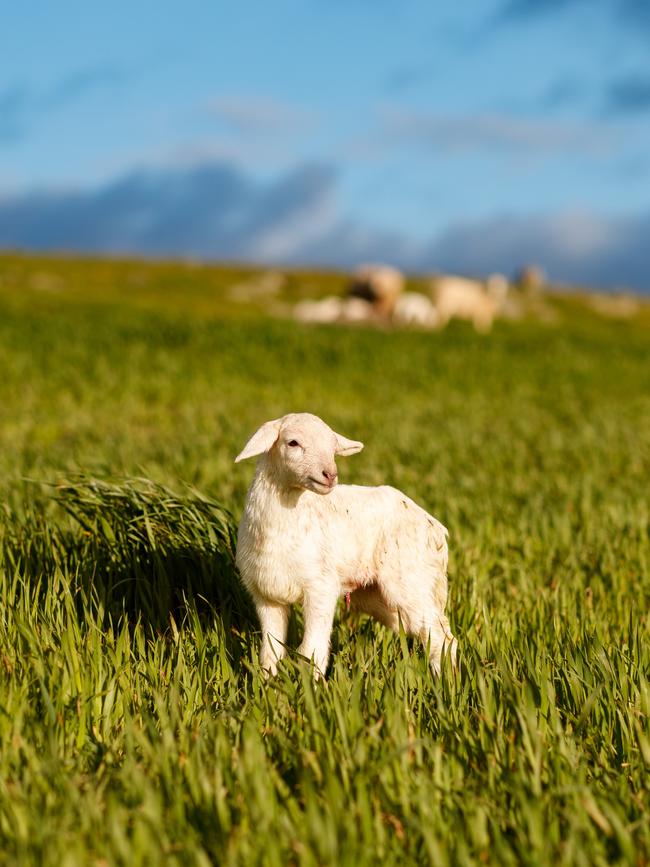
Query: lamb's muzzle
[{"x": 374, "y": 546}]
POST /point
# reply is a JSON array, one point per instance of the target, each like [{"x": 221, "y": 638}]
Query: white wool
[
  {"x": 324, "y": 311},
  {"x": 332, "y": 309},
  {"x": 413, "y": 308},
  {"x": 462, "y": 298},
  {"x": 497, "y": 286},
  {"x": 379, "y": 284},
  {"x": 357, "y": 310},
  {"x": 304, "y": 539}
]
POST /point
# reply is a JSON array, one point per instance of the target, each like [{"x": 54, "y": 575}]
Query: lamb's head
[{"x": 300, "y": 450}]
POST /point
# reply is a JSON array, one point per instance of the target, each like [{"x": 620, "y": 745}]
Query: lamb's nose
[{"x": 330, "y": 476}]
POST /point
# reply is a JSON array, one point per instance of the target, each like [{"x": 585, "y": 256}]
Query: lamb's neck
[{"x": 267, "y": 496}]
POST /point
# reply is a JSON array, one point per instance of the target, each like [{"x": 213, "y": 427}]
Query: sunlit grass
[{"x": 135, "y": 725}]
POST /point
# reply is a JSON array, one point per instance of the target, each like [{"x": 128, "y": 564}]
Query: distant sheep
[
  {"x": 304, "y": 539},
  {"x": 332, "y": 309},
  {"x": 258, "y": 288},
  {"x": 325, "y": 311},
  {"x": 381, "y": 285},
  {"x": 531, "y": 278},
  {"x": 462, "y": 298},
  {"x": 357, "y": 310},
  {"x": 413, "y": 308},
  {"x": 615, "y": 306}
]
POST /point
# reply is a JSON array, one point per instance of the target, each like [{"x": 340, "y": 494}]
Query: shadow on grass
[{"x": 136, "y": 550}]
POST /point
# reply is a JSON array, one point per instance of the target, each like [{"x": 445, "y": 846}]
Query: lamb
[{"x": 305, "y": 539}]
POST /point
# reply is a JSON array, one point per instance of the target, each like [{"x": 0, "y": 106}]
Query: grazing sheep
[
  {"x": 258, "y": 287},
  {"x": 357, "y": 310},
  {"x": 617, "y": 306},
  {"x": 531, "y": 278},
  {"x": 325, "y": 311},
  {"x": 413, "y": 308},
  {"x": 462, "y": 298},
  {"x": 332, "y": 309},
  {"x": 305, "y": 539},
  {"x": 379, "y": 284}
]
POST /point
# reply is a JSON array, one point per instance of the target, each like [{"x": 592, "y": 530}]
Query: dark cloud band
[{"x": 216, "y": 211}]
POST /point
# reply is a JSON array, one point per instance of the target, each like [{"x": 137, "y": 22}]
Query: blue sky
[{"x": 469, "y": 137}]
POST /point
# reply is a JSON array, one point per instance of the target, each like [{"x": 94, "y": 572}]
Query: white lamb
[{"x": 305, "y": 539}]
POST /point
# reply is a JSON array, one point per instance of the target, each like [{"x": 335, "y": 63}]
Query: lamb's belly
[{"x": 355, "y": 579}]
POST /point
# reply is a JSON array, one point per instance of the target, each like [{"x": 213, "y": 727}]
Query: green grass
[{"x": 135, "y": 725}]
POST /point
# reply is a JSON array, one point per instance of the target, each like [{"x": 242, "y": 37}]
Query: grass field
[{"x": 135, "y": 725}]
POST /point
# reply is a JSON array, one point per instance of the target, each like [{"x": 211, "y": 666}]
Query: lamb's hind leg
[
  {"x": 433, "y": 630},
  {"x": 437, "y": 635}
]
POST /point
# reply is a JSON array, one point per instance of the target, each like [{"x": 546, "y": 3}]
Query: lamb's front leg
[
  {"x": 274, "y": 620},
  {"x": 319, "y": 609}
]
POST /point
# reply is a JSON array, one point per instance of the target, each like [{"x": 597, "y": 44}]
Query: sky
[{"x": 471, "y": 137}]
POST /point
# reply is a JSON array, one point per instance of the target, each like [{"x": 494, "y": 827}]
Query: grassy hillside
[{"x": 135, "y": 727}]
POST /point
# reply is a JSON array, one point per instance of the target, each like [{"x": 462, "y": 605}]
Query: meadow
[{"x": 135, "y": 725}]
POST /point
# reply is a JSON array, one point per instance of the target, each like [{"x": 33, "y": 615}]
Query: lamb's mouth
[{"x": 323, "y": 487}]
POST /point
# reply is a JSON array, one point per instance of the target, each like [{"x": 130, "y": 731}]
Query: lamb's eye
[{"x": 293, "y": 443}]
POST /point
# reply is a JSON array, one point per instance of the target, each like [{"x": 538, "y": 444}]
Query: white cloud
[
  {"x": 493, "y": 132},
  {"x": 254, "y": 115},
  {"x": 574, "y": 247}
]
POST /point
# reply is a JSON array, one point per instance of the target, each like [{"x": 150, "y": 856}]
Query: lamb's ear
[
  {"x": 344, "y": 446},
  {"x": 261, "y": 441}
]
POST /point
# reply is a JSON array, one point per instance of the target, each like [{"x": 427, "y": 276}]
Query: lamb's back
[{"x": 390, "y": 535}]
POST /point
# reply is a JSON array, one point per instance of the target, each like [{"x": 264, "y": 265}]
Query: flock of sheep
[{"x": 376, "y": 294}]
